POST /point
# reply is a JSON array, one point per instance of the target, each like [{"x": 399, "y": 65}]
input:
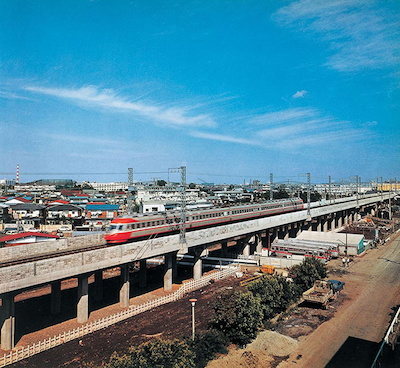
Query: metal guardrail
[
  {"x": 386, "y": 340},
  {"x": 30, "y": 350}
]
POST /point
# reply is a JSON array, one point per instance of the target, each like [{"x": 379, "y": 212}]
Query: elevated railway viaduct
[{"x": 24, "y": 267}]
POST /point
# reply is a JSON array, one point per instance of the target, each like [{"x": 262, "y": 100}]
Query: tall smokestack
[{"x": 17, "y": 175}]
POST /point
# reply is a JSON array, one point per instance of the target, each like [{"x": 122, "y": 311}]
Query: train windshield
[{"x": 115, "y": 227}]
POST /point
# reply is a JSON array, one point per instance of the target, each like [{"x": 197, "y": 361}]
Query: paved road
[{"x": 372, "y": 290}]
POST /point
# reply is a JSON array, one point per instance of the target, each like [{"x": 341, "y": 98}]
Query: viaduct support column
[
  {"x": 98, "y": 286},
  {"x": 319, "y": 224},
  {"x": 247, "y": 246},
  {"x": 273, "y": 234},
  {"x": 55, "y": 307},
  {"x": 83, "y": 299},
  {"x": 197, "y": 268},
  {"x": 294, "y": 230},
  {"x": 125, "y": 285},
  {"x": 169, "y": 274},
  {"x": 325, "y": 225},
  {"x": 224, "y": 248},
  {"x": 346, "y": 218},
  {"x": 282, "y": 232},
  {"x": 306, "y": 226},
  {"x": 340, "y": 219},
  {"x": 7, "y": 321},
  {"x": 198, "y": 253},
  {"x": 143, "y": 273},
  {"x": 246, "y": 249},
  {"x": 259, "y": 244},
  {"x": 286, "y": 231}
]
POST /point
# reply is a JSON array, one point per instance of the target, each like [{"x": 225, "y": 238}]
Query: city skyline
[{"x": 231, "y": 90}]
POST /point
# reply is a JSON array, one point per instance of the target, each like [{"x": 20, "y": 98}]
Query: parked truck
[{"x": 323, "y": 291}]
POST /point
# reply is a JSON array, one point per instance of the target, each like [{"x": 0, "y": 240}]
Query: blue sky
[{"x": 234, "y": 90}]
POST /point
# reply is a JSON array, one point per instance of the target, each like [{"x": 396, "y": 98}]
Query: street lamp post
[{"x": 193, "y": 301}]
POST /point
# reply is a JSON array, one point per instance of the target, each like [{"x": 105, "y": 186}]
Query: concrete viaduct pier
[{"x": 252, "y": 235}]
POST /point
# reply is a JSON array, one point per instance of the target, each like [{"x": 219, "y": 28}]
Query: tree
[
  {"x": 281, "y": 194},
  {"x": 306, "y": 273},
  {"x": 157, "y": 353},
  {"x": 238, "y": 315},
  {"x": 275, "y": 293},
  {"x": 161, "y": 183},
  {"x": 207, "y": 345}
]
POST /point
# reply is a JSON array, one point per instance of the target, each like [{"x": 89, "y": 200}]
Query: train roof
[{"x": 153, "y": 216}]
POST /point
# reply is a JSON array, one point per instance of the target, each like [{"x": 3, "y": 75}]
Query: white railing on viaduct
[{"x": 30, "y": 350}]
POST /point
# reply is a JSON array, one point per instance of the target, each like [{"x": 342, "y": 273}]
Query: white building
[{"x": 109, "y": 187}]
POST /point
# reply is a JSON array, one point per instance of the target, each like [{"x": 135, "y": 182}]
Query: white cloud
[
  {"x": 288, "y": 115},
  {"x": 11, "y": 96},
  {"x": 86, "y": 140},
  {"x": 362, "y": 34},
  {"x": 223, "y": 138},
  {"x": 175, "y": 116},
  {"x": 300, "y": 94},
  {"x": 305, "y": 127}
]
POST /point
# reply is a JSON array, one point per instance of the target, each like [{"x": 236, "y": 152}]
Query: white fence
[{"x": 25, "y": 352}]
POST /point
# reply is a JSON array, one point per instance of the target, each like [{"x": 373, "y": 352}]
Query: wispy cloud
[
  {"x": 300, "y": 94},
  {"x": 282, "y": 116},
  {"x": 361, "y": 34},
  {"x": 223, "y": 138},
  {"x": 174, "y": 116},
  {"x": 86, "y": 140},
  {"x": 11, "y": 95},
  {"x": 305, "y": 127}
]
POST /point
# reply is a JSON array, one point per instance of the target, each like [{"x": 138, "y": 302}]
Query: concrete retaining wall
[{"x": 36, "y": 249}]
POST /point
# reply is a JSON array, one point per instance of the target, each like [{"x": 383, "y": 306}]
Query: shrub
[
  {"x": 157, "y": 353},
  {"x": 207, "y": 345},
  {"x": 275, "y": 293},
  {"x": 306, "y": 273},
  {"x": 238, "y": 315}
]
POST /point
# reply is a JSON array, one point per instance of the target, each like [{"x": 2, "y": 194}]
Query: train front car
[{"x": 119, "y": 231}]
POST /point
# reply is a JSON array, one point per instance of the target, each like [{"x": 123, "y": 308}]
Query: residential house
[
  {"x": 28, "y": 214},
  {"x": 100, "y": 215},
  {"x": 64, "y": 214}
]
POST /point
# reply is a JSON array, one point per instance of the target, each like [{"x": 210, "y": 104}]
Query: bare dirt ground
[
  {"x": 361, "y": 313},
  {"x": 348, "y": 333},
  {"x": 371, "y": 295},
  {"x": 169, "y": 321}
]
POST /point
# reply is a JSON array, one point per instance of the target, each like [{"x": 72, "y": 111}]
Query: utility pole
[
  {"x": 390, "y": 200},
  {"x": 182, "y": 225},
  {"x": 130, "y": 190},
  {"x": 309, "y": 195},
  {"x": 182, "y": 234},
  {"x": 271, "y": 184},
  {"x": 330, "y": 193},
  {"x": 357, "y": 189}
]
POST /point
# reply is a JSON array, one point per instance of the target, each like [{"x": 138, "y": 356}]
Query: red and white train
[{"x": 127, "y": 229}]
